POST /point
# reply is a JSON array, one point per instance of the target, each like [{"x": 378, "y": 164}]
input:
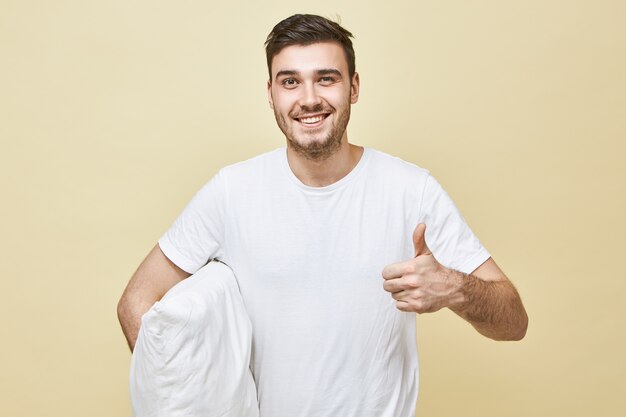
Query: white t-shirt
[{"x": 327, "y": 339}]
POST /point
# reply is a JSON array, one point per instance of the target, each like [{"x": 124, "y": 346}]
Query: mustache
[{"x": 307, "y": 110}]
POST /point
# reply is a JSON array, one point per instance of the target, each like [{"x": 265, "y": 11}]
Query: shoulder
[
  {"x": 245, "y": 173},
  {"x": 396, "y": 169},
  {"x": 240, "y": 174},
  {"x": 256, "y": 163}
]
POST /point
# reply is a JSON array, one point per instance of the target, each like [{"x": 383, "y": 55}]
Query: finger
[
  {"x": 403, "y": 306},
  {"x": 409, "y": 282},
  {"x": 400, "y": 296},
  {"x": 419, "y": 240},
  {"x": 393, "y": 285},
  {"x": 397, "y": 270}
]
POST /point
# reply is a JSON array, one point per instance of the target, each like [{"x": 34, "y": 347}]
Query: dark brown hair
[{"x": 306, "y": 29}]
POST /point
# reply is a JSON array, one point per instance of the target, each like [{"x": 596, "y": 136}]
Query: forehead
[{"x": 309, "y": 58}]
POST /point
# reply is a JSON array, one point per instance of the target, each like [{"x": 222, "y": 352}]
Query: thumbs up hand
[
  {"x": 421, "y": 284},
  {"x": 419, "y": 241}
]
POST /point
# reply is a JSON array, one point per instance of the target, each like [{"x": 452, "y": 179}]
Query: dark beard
[{"x": 318, "y": 150}]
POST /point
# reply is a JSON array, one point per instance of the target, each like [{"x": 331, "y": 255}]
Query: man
[{"x": 308, "y": 229}]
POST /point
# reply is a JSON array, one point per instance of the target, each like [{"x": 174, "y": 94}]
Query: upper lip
[{"x": 306, "y": 116}]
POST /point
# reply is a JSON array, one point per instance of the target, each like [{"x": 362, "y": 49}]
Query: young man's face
[{"x": 311, "y": 93}]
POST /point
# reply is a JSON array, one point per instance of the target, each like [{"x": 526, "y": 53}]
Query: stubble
[{"x": 316, "y": 150}]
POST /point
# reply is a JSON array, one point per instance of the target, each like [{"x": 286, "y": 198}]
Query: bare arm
[
  {"x": 485, "y": 298},
  {"x": 491, "y": 303},
  {"x": 154, "y": 277}
]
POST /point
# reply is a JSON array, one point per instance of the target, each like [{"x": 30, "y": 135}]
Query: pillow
[{"x": 192, "y": 355}]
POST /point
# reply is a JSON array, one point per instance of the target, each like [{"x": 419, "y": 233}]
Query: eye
[
  {"x": 289, "y": 83},
  {"x": 327, "y": 80}
]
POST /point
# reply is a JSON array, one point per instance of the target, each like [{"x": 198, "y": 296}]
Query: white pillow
[{"x": 192, "y": 356}]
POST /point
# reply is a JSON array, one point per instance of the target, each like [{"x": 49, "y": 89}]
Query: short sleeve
[
  {"x": 197, "y": 235},
  {"x": 448, "y": 236}
]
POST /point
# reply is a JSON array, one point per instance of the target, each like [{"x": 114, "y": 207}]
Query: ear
[
  {"x": 354, "y": 88},
  {"x": 269, "y": 94}
]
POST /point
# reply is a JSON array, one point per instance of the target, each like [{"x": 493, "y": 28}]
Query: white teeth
[{"x": 311, "y": 120}]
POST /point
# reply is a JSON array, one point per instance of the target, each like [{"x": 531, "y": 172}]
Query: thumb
[{"x": 419, "y": 241}]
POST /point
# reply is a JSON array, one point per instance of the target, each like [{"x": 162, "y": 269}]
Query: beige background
[{"x": 113, "y": 113}]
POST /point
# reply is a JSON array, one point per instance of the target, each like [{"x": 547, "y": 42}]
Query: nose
[{"x": 309, "y": 97}]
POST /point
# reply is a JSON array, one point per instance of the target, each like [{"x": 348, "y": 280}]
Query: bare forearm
[
  {"x": 129, "y": 313},
  {"x": 493, "y": 307},
  {"x": 154, "y": 277},
  {"x": 485, "y": 298}
]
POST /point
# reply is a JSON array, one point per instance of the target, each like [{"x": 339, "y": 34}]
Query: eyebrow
[
  {"x": 286, "y": 72},
  {"x": 323, "y": 71}
]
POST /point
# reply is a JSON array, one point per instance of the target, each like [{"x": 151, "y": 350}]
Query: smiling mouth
[{"x": 312, "y": 121}]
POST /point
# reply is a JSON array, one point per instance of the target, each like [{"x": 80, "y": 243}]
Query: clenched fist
[{"x": 421, "y": 284}]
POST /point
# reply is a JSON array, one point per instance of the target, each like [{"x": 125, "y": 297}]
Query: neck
[{"x": 324, "y": 172}]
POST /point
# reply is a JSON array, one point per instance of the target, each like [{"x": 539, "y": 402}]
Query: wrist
[{"x": 458, "y": 282}]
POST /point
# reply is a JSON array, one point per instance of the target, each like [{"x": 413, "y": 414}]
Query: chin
[{"x": 316, "y": 149}]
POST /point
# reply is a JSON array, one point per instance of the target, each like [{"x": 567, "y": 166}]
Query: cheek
[
  {"x": 282, "y": 102},
  {"x": 340, "y": 99}
]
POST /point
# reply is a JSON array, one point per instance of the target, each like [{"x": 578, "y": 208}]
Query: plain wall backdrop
[{"x": 114, "y": 113}]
